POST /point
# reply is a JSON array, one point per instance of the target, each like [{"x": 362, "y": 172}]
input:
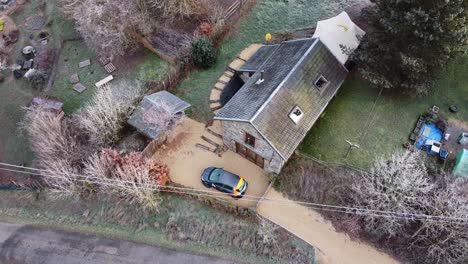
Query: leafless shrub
[
  {"x": 108, "y": 110},
  {"x": 52, "y": 146},
  {"x": 131, "y": 177},
  {"x": 110, "y": 27},
  {"x": 445, "y": 242},
  {"x": 178, "y": 8},
  {"x": 399, "y": 184}
]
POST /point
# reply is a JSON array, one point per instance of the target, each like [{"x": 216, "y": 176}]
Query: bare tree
[
  {"x": 445, "y": 242},
  {"x": 178, "y": 8},
  {"x": 110, "y": 27},
  {"x": 105, "y": 115},
  {"x": 399, "y": 184}
]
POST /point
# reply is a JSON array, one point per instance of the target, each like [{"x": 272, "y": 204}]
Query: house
[
  {"x": 157, "y": 113},
  {"x": 287, "y": 88}
]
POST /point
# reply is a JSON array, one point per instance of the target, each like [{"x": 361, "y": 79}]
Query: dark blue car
[{"x": 224, "y": 181}]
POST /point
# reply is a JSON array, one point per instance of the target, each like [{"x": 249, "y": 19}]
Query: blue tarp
[{"x": 429, "y": 131}]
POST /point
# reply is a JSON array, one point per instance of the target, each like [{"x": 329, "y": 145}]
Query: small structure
[
  {"x": 157, "y": 113},
  {"x": 429, "y": 139},
  {"x": 461, "y": 165}
]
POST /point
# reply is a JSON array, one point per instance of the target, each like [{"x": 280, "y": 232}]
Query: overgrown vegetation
[
  {"x": 67, "y": 148},
  {"x": 105, "y": 115},
  {"x": 182, "y": 223},
  {"x": 400, "y": 184},
  {"x": 113, "y": 27},
  {"x": 410, "y": 42}
]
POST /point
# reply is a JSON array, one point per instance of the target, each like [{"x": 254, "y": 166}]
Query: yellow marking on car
[{"x": 239, "y": 185}]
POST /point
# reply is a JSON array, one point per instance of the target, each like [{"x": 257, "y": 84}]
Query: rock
[
  {"x": 182, "y": 236},
  {"x": 74, "y": 78},
  {"x": 84, "y": 63},
  {"x": 156, "y": 225},
  {"x": 79, "y": 87},
  {"x": 86, "y": 213},
  {"x": 236, "y": 242}
]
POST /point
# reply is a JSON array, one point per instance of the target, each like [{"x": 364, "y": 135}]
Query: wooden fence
[{"x": 234, "y": 9}]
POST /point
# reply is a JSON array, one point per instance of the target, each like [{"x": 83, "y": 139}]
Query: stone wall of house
[{"x": 235, "y": 132}]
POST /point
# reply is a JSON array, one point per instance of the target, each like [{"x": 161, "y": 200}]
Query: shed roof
[
  {"x": 161, "y": 104},
  {"x": 290, "y": 73}
]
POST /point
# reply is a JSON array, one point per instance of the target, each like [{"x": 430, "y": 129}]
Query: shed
[
  {"x": 461, "y": 165},
  {"x": 157, "y": 113}
]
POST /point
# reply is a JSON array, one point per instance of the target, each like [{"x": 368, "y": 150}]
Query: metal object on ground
[
  {"x": 110, "y": 68},
  {"x": 453, "y": 109},
  {"x": 29, "y": 52}
]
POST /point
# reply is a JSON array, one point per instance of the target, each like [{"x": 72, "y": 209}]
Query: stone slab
[
  {"x": 79, "y": 87},
  {"x": 74, "y": 78},
  {"x": 84, "y": 63}
]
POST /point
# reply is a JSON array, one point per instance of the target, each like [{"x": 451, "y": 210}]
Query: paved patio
[{"x": 186, "y": 162}]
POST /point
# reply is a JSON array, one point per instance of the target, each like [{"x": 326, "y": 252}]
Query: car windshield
[{"x": 215, "y": 174}]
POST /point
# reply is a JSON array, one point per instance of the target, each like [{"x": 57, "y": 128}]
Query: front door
[{"x": 250, "y": 155}]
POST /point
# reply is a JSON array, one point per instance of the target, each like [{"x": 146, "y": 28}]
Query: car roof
[{"x": 229, "y": 179}]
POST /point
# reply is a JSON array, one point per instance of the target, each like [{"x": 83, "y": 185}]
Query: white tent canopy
[{"x": 340, "y": 35}]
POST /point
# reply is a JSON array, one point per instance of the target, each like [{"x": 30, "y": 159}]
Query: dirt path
[
  {"x": 332, "y": 247},
  {"x": 187, "y": 162}
]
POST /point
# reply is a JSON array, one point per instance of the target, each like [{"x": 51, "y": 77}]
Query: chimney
[{"x": 262, "y": 77}]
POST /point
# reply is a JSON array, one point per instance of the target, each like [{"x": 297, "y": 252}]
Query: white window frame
[
  {"x": 296, "y": 119},
  {"x": 321, "y": 77}
]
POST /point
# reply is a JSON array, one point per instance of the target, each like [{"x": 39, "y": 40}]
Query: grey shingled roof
[
  {"x": 246, "y": 102},
  {"x": 295, "y": 88},
  {"x": 258, "y": 59},
  {"x": 161, "y": 103}
]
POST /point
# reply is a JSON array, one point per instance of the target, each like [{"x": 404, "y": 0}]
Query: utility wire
[{"x": 207, "y": 193}]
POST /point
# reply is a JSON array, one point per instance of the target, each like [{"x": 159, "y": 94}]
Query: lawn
[
  {"x": 267, "y": 16},
  {"x": 392, "y": 120}
]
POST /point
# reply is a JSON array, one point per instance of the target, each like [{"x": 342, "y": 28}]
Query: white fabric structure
[{"x": 340, "y": 35}]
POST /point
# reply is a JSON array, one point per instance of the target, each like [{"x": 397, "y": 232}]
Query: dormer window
[
  {"x": 321, "y": 82},
  {"x": 296, "y": 114}
]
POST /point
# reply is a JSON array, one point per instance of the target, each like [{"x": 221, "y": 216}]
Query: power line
[
  {"x": 256, "y": 198},
  {"x": 288, "y": 202},
  {"x": 191, "y": 191}
]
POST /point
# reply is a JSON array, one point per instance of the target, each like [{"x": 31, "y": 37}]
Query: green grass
[
  {"x": 72, "y": 53},
  {"x": 393, "y": 119},
  {"x": 129, "y": 222},
  {"x": 267, "y": 16}
]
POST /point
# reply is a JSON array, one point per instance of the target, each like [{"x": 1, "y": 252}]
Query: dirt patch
[{"x": 455, "y": 128}]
